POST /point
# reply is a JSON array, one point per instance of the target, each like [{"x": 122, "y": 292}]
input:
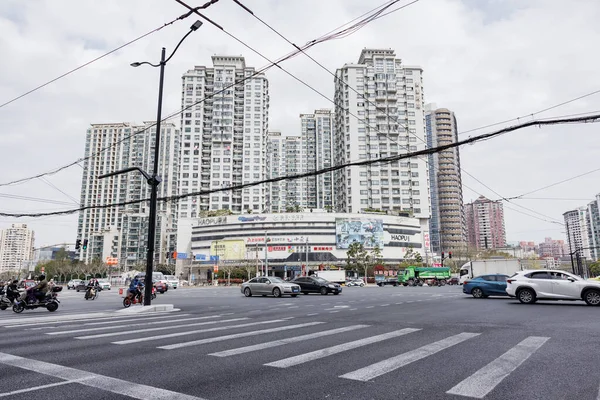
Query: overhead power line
[
  {"x": 385, "y": 160},
  {"x": 336, "y": 33},
  {"x": 532, "y": 114},
  {"x": 183, "y": 16},
  {"x": 554, "y": 184}
]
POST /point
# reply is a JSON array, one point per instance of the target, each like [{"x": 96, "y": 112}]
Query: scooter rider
[
  {"x": 12, "y": 290},
  {"x": 134, "y": 287},
  {"x": 92, "y": 284},
  {"x": 38, "y": 291}
]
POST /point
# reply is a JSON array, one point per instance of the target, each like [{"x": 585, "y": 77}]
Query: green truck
[{"x": 416, "y": 276}]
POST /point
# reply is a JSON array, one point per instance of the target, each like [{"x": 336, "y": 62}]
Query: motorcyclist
[
  {"x": 39, "y": 291},
  {"x": 92, "y": 284},
  {"x": 134, "y": 287},
  {"x": 12, "y": 290}
]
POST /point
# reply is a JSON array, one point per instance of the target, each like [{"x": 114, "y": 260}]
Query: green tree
[
  {"x": 595, "y": 268},
  {"x": 411, "y": 258},
  {"x": 358, "y": 258}
]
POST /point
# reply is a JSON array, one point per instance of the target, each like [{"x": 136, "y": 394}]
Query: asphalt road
[{"x": 367, "y": 343}]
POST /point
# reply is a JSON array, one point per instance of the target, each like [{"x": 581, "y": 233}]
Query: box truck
[{"x": 476, "y": 268}]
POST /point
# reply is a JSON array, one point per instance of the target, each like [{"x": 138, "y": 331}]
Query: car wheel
[
  {"x": 247, "y": 292},
  {"x": 277, "y": 292},
  {"x": 526, "y": 296},
  {"x": 592, "y": 297},
  {"x": 362, "y": 284},
  {"x": 324, "y": 291},
  {"x": 443, "y": 282},
  {"x": 77, "y": 290},
  {"x": 477, "y": 293},
  {"x": 306, "y": 293}
]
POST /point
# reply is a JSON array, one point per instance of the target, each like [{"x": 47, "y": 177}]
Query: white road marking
[
  {"x": 293, "y": 307},
  {"x": 236, "y": 335},
  {"x": 310, "y": 315},
  {"x": 111, "y": 320},
  {"x": 328, "y": 351},
  {"x": 384, "y": 305},
  {"x": 43, "y": 387},
  {"x": 370, "y": 307},
  {"x": 353, "y": 309},
  {"x": 391, "y": 364},
  {"x": 177, "y": 334},
  {"x": 286, "y": 318},
  {"x": 275, "y": 343},
  {"x": 487, "y": 378},
  {"x": 113, "y": 385},
  {"x": 399, "y": 302},
  {"x": 162, "y": 328},
  {"x": 333, "y": 312},
  {"x": 127, "y": 325}
]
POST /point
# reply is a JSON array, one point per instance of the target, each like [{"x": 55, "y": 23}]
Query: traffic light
[
  {"x": 449, "y": 254},
  {"x": 85, "y": 243},
  {"x": 77, "y": 244}
]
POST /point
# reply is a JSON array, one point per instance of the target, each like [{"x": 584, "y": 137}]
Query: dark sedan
[
  {"x": 314, "y": 284},
  {"x": 486, "y": 285}
]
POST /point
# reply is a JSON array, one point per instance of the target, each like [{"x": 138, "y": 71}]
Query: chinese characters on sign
[
  {"x": 323, "y": 248},
  {"x": 291, "y": 217}
]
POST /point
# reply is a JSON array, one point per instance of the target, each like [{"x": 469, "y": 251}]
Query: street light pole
[{"x": 154, "y": 181}]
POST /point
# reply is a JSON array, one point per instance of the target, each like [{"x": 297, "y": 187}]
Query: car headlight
[{"x": 331, "y": 286}]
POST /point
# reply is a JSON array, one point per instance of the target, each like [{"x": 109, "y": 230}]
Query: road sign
[
  {"x": 112, "y": 261},
  {"x": 216, "y": 269}
]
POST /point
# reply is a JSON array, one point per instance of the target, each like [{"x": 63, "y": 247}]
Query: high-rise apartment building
[
  {"x": 447, "y": 226},
  {"x": 384, "y": 117},
  {"x": 294, "y": 164},
  {"x": 122, "y": 231},
  {"x": 485, "y": 224},
  {"x": 552, "y": 248},
  {"x": 276, "y": 194},
  {"x": 317, "y": 145},
  {"x": 576, "y": 223},
  {"x": 224, "y": 136},
  {"x": 593, "y": 226},
  {"x": 16, "y": 247}
]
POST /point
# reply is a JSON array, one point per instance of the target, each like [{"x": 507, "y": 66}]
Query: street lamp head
[
  {"x": 196, "y": 25},
  {"x": 135, "y": 64}
]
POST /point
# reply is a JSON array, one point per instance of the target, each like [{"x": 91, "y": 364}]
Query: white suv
[{"x": 531, "y": 286}]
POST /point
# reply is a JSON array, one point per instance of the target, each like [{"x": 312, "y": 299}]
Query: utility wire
[
  {"x": 337, "y": 78},
  {"x": 532, "y": 114},
  {"x": 331, "y": 35},
  {"x": 35, "y": 199},
  {"x": 554, "y": 184},
  {"x": 385, "y": 160},
  {"x": 47, "y": 182}
]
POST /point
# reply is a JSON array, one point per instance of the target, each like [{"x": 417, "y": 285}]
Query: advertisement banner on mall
[
  {"x": 368, "y": 231},
  {"x": 228, "y": 249}
]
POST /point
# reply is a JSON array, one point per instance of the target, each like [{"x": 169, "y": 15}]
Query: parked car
[
  {"x": 161, "y": 286},
  {"x": 72, "y": 284},
  {"x": 531, "y": 286},
  {"x": 486, "y": 285},
  {"x": 172, "y": 281},
  {"x": 269, "y": 285},
  {"x": 453, "y": 281},
  {"x": 314, "y": 284},
  {"x": 104, "y": 284},
  {"x": 356, "y": 282},
  {"x": 386, "y": 282}
]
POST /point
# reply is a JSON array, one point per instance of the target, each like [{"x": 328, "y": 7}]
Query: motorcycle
[
  {"x": 129, "y": 299},
  {"x": 91, "y": 293},
  {"x": 50, "y": 301}
]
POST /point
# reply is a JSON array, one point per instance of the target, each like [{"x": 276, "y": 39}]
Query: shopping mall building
[{"x": 293, "y": 240}]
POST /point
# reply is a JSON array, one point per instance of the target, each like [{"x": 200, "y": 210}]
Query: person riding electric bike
[
  {"x": 12, "y": 290},
  {"x": 37, "y": 292},
  {"x": 135, "y": 288},
  {"x": 91, "y": 285}
]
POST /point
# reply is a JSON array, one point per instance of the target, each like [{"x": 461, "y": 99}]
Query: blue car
[{"x": 486, "y": 285}]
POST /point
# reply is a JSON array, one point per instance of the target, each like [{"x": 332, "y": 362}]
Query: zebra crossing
[{"x": 187, "y": 331}]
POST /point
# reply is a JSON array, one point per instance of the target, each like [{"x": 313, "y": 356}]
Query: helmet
[{"x": 42, "y": 277}]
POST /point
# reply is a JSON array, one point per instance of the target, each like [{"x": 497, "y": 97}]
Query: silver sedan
[{"x": 267, "y": 285}]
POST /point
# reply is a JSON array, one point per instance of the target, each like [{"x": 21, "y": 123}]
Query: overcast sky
[{"x": 487, "y": 60}]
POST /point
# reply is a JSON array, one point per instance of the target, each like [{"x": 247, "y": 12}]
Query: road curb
[{"x": 148, "y": 309}]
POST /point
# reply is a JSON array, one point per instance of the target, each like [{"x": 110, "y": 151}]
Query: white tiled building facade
[
  {"x": 390, "y": 121},
  {"x": 317, "y": 146},
  {"x": 16, "y": 247},
  {"x": 122, "y": 231},
  {"x": 224, "y": 136},
  {"x": 577, "y": 230},
  {"x": 276, "y": 194}
]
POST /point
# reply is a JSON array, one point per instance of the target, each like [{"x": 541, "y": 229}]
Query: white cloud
[{"x": 486, "y": 60}]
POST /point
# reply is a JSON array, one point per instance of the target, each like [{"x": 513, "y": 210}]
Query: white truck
[
  {"x": 476, "y": 268},
  {"x": 337, "y": 276}
]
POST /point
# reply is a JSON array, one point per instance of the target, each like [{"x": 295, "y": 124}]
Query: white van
[{"x": 172, "y": 281}]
